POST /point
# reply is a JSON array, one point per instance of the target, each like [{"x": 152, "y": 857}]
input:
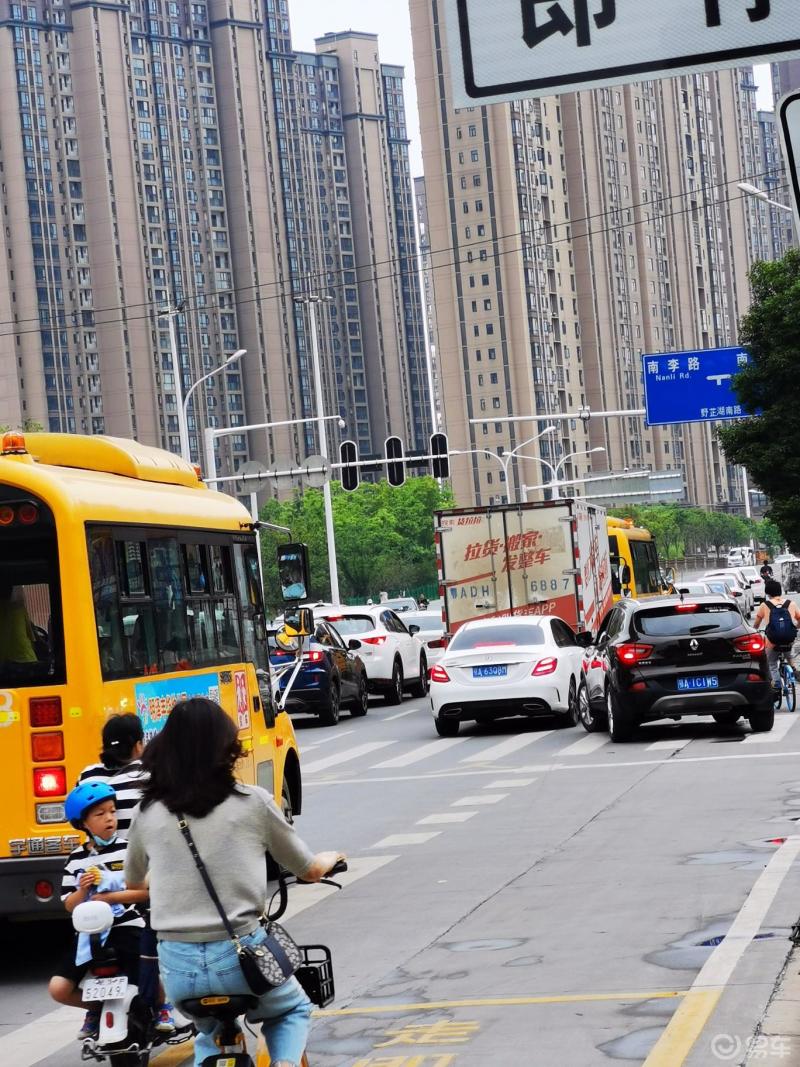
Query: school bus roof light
[{"x": 13, "y": 444}]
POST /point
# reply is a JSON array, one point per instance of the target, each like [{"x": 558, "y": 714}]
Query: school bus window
[
  {"x": 169, "y": 602},
  {"x": 645, "y": 566},
  {"x": 220, "y": 569},
  {"x": 213, "y": 621},
  {"x": 249, "y": 591},
  {"x": 111, "y": 638},
  {"x": 31, "y": 638},
  {"x": 196, "y": 581},
  {"x": 132, "y": 572}
]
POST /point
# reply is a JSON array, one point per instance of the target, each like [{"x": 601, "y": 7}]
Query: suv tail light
[
  {"x": 439, "y": 674},
  {"x": 379, "y": 640},
  {"x": 544, "y": 666},
  {"x": 314, "y": 656},
  {"x": 750, "y": 643},
  {"x": 439, "y": 642},
  {"x": 45, "y": 711},
  {"x": 630, "y": 653}
]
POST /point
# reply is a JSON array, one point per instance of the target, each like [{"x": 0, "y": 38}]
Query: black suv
[{"x": 666, "y": 657}]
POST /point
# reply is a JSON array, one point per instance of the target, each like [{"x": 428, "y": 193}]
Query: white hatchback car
[
  {"x": 431, "y": 632},
  {"x": 502, "y": 668},
  {"x": 393, "y": 655},
  {"x": 747, "y": 601}
]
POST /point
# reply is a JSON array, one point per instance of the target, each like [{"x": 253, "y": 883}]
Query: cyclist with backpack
[{"x": 782, "y": 622}]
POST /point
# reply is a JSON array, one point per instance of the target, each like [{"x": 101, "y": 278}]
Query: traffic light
[
  {"x": 440, "y": 461},
  {"x": 348, "y": 456},
  {"x": 395, "y": 461}
]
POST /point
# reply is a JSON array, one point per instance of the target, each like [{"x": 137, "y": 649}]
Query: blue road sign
[{"x": 693, "y": 386}]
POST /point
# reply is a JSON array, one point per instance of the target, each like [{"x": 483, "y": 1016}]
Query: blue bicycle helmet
[{"x": 85, "y": 796}]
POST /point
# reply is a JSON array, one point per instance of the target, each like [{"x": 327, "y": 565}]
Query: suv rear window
[
  {"x": 703, "y": 619},
  {"x": 351, "y": 624}
]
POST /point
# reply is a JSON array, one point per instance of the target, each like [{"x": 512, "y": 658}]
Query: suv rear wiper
[{"x": 703, "y": 629}]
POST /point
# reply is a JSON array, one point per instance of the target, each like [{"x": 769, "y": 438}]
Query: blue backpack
[{"x": 780, "y": 628}]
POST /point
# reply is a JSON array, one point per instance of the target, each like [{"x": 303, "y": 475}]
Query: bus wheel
[{"x": 286, "y": 802}]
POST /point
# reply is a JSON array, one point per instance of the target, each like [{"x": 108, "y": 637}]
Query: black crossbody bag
[{"x": 264, "y": 966}]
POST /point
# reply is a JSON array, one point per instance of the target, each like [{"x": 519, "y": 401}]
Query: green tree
[
  {"x": 766, "y": 444},
  {"x": 384, "y": 536}
]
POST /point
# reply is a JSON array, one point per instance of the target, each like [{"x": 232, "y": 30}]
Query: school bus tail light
[
  {"x": 47, "y": 748},
  {"x": 50, "y": 782},
  {"x": 45, "y": 711}
]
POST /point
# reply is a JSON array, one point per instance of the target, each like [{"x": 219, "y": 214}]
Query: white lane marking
[
  {"x": 588, "y": 744},
  {"x": 395, "y": 840},
  {"x": 542, "y": 768},
  {"x": 416, "y": 755},
  {"x": 447, "y": 817},
  {"x": 484, "y": 798},
  {"x": 42, "y": 1038},
  {"x": 344, "y": 757},
  {"x": 307, "y": 896},
  {"x": 314, "y": 741},
  {"x": 401, "y": 714},
  {"x": 783, "y": 724},
  {"x": 505, "y": 748},
  {"x": 677, "y": 744},
  {"x": 509, "y": 783}
]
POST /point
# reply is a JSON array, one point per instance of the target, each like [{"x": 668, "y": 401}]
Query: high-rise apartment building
[
  {"x": 159, "y": 156},
  {"x": 580, "y": 232},
  {"x": 429, "y": 303}
]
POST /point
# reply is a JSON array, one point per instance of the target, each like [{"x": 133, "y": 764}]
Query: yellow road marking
[
  {"x": 502, "y": 1002},
  {"x": 684, "y": 1028}
]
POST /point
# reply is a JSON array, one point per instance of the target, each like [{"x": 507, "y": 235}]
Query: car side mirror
[
  {"x": 354, "y": 644},
  {"x": 413, "y": 629},
  {"x": 584, "y": 638}
]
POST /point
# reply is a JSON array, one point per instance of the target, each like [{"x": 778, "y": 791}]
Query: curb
[{"x": 776, "y": 1042}]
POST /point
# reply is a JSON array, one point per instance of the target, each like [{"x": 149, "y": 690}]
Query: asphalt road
[{"x": 520, "y": 895}]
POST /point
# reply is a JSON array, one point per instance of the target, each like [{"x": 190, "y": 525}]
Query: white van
[{"x": 738, "y": 557}]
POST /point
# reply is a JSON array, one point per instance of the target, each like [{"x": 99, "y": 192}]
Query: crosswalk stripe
[
  {"x": 675, "y": 744},
  {"x": 509, "y": 783},
  {"x": 447, "y": 817},
  {"x": 344, "y": 757},
  {"x": 586, "y": 745},
  {"x": 783, "y": 724},
  {"x": 42, "y": 1038},
  {"x": 507, "y": 747},
  {"x": 484, "y": 798},
  {"x": 416, "y": 755},
  {"x": 315, "y": 740},
  {"x": 393, "y": 840}
]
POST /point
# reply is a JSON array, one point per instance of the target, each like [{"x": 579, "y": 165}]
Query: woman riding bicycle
[
  {"x": 782, "y": 622},
  {"x": 192, "y": 772}
]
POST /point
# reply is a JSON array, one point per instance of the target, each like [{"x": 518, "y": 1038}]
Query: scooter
[{"x": 126, "y": 1035}]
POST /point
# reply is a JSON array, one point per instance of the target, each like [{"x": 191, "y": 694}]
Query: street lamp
[
  {"x": 231, "y": 359},
  {"x": 311, "y": 302},
  {"x": 759, "y": 194},
  {"x": 171, "y": 313},
  {"x": 556, "y": 468},
  {"x": 505, "y": 459}
]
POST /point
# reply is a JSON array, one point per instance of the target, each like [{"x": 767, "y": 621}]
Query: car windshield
[
  {"x": 686, "y": 620},
  {"x": 501, "y": 637},
  {"x": 347, "y": 625}
]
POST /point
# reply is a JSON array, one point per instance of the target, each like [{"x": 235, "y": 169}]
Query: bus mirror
[
  {"x": 293, "y": 571},
  {"x": 299, "y": 623},
  {"x": 625, "y": 576},
  {"x": 670, "y": 576}
]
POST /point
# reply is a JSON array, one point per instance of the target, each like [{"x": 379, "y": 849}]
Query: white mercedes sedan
[{"x": 502, "y": 668}]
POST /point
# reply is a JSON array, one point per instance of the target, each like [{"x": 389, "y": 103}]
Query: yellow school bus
[
  {"x": 125, "y": 585},
  {"x": 635, "y": 567}
]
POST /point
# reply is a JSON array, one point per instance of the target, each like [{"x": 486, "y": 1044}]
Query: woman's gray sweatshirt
[{"x": 232, "y": 841}]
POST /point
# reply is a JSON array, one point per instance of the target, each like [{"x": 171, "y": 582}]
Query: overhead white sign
[
  {"x": 509, "y": 49},
  {"x": 789, "y": 118}
]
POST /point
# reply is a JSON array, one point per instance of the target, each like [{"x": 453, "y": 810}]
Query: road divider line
[
  {"x": 336, "y": 735},
  {"x": 345, "y": 757},
  {"x": 586, "y": 745},
  {"x": 502, "y": 1002},
  {"x": 675, "y": 746},
  {"x": 416, "y": 755},
  {"x": 509, "y": 783},
  {"x": 396, "y": 840},
  {"x": 484, "y": 798},
  {"x": 507, "y": 747},
  {"x": 783, "y": 725},
  {"x": 447, "y": 817},
  {"x": 691, "y": 1017},
  {"x": 401, "y": 714}
]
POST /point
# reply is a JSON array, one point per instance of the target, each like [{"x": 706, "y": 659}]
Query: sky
[{"x": 390, "y": 20}]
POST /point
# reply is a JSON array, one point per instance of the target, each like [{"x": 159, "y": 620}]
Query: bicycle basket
[{"x": 315, "y": 974}]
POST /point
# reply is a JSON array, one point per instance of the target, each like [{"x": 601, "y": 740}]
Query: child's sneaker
[
  {"x": 165, "y": 1021},
  {"x": 91, "y": 1025}
]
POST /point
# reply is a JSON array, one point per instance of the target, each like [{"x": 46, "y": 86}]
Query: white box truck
[{"x": 548, "y": 558}]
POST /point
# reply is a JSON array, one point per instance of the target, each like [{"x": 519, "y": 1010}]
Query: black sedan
[
  {"x": 668, "y": 657},
  {"x": 332, "y": 676}
]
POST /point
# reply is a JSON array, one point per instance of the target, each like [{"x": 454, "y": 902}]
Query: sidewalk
[{"x": 777, "y": 1040}]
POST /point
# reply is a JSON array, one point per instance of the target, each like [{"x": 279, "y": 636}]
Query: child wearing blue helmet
[{"x": 94, "y": 870}]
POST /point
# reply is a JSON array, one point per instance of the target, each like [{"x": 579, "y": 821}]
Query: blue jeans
[{"x": 196, "y": 969}]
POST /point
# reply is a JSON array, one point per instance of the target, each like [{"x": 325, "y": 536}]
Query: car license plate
[
  {"x": 494, "y": 670},
  {"x": 702, "y": 681},
  {"x": 105, "y": 988}
]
